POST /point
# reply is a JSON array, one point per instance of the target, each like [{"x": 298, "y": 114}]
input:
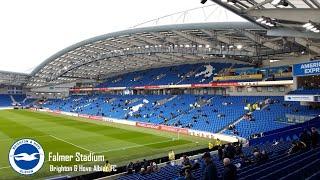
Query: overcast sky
[{"x": 33, "y": 30}]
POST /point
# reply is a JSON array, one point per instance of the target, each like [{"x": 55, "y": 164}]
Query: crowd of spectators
[
  {"x": 144, "y": 167},
  {"x": 227, "y": 154},
  {"x": 306, "y": 141}
]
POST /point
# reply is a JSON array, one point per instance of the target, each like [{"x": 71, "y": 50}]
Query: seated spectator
[
  {"x": 264, "y": 156},
  {"x": 154, "y": 166},
  {"x": 255, "y": 149},
  {"x": 220, "y": 153},
  {"x": 137, "y": 167},
  {"x": 188, "y": 175},
  {"x": 210, "y": 171},
  {"x": 296, "y": 147},
  {"x": 196, "y": 165},
  {"x": 186, "y": 164},
  {"x": 145, "y": 164},
  {"x": 230, "y": 151},
  {"x": 239, "y": 149},
  {"x": 274, "y": 143},
  {"x": 231, "y": 127},
  {"x": 305, "y": 138},
  {"x": 314, "y": 137},
  {"x": 244, "y": 160},
  {"x": 257, "y": 157},
  {"x": 230, "y": 170},
  {"x": 149, "y": 170},
  {"x": 235, "y": 132},
  {"x": 130, "y": 168},
  {"x": 143, "y": 171}
]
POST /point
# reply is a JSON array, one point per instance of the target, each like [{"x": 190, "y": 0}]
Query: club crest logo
[{"x": 26, "y": 156}]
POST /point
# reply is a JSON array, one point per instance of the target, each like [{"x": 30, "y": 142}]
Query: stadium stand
[
  {"x": 196, "y": 73},
  {"x": 279, "y": 164},
  {"x": 5, "y": 100},
  {"x": 268, "y": 158},
  {"x": 207, "y": 112}
]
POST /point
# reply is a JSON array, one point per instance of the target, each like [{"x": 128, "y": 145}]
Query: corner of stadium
[{"x": 171, "y": 101}]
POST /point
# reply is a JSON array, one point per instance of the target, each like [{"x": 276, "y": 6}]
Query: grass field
[{"x": 67, "y": 135}]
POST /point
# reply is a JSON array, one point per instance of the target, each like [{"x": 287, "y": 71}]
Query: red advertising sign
[
  {"x": 173, "y": 129},
  {"x": 222, "y": 84},
  {"x": 95, "y": 117},
  {"x": 201, "y": 85},
  {"x": 84, "y": 116},
  {"x": 148, "y": 125}
]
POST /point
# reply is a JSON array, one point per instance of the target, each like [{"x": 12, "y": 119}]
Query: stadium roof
[
  {"x": 298, "y": 20},
  {"x": 159, "y": 46},
  {"x": 13, "y": 78}
]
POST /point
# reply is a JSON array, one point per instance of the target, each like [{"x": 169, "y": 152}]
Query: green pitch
[{"x": 66, "y": 135}]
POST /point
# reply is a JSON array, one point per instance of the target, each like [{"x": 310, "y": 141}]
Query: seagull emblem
[{"x": 25, "y": 157}]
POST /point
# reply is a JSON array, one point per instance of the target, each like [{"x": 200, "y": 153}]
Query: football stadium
[{"x": 173, "y": 101}]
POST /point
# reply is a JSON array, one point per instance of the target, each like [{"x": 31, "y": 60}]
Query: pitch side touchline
[{"x": 71, "y": 143}]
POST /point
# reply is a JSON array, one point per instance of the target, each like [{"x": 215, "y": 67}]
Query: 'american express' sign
[{"x": 306, "y": 69}]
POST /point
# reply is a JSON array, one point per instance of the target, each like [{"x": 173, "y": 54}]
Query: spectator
[
  {"x": 244, "y": 160},
  {"x": 137, "y": 167},
  {"x": 305, "y": 137},
  {"x": 220, "y": 153},
  {"x": 255, "y": 149},
  {"x": 186, "y": 164},
  {"x": 264, "y": 156},
  {"x": 235, "y": 132},
  {"x": 257, "y": 157},
  {"x": 238, "y": 149},
  {"x": 314, "y": 137},
  {"x": 155, "y": 167},
  {"x": 230, "y": 151},
  {"x": 230, "y": 170},
  {"x": 210, "y": 172},
  {"x": 130, "y": 168},
  {"x": 143, "y": 171},
  {"x": 196, "y": 165},
  {"x": 188, "y": 175},
  {"x": 145, "y": 164},
  {"x": 296, "y": 147},
  {"x": 171, "y": 155}
]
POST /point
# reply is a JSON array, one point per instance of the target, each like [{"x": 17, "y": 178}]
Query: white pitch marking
[
  {"x": 6, "y": 167},
  {"x": 124, "y": 148},
  {"x": 71, "y": 143}
]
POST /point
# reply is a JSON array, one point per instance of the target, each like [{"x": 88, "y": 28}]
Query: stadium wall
[{"x": 4, "y": 108}]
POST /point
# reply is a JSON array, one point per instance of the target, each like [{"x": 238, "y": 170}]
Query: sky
[{"x": 33, "y": 30}]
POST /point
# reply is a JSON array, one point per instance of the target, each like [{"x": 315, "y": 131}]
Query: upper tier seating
[
  {"x": 183, "y": 74},
  {"x": 193, "y": 74}
]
